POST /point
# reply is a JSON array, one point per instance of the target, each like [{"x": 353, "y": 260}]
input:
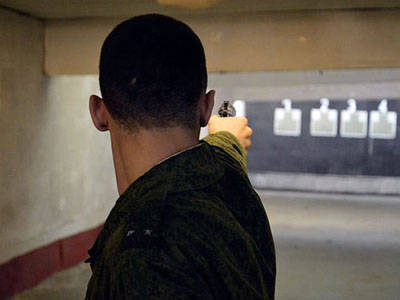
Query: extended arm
[
  {"x": 232, "y": 135},
  {"x": 230, "y": 144}
]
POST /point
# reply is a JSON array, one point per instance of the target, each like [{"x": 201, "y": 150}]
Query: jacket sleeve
[
  {"x": 230, "y": 144},
  {"x": 157, "y": 275},
  {"x": 148, "y": 274}
]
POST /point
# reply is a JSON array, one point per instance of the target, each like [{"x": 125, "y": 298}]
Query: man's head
[{"x": 153, "y": 74}]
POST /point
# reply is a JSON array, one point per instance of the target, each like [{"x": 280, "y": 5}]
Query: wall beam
[{"x": 300, "y": 40}]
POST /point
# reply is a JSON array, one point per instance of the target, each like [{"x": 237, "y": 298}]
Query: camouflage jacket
[{"x": 192, "y": 227}]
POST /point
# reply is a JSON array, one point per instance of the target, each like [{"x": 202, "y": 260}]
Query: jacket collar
[
  {"x": 143, "y": 200},
  {"x": 191, "y": 169}
]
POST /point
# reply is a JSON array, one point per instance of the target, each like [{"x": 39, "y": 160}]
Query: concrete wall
[{"x": 56, "y": 172}]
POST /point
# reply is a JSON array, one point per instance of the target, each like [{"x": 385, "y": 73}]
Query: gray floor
[
  {"x": 328, "y": 247},
  {"x": 67, "y": 284},
  {"x": 336, "y": 247}
]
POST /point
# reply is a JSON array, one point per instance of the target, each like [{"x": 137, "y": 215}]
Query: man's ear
[
  {"x": 99, "y": 113},
  {"x": 206, "y": 105}
]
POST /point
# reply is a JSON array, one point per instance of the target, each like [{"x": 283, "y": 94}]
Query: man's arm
[
  {"x": 230, "y": 144},
  {"x": 232, "y": 135}
]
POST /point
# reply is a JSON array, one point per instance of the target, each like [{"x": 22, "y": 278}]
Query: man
[{"x": 187, "y": 224}]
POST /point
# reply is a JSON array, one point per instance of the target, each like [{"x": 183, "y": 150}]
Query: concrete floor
[
  {"x": 67, "y": 284},
  {"x": 328, "y": 247}
]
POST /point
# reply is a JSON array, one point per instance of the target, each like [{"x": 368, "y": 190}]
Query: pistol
[{"x": 226, "y": 110}]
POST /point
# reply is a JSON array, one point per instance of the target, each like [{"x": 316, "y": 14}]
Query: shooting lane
[{"x": 333, "y": 199}]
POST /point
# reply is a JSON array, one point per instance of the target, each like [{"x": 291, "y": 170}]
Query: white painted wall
[
  {"x": 56, "y": 170},
  {"x": 306, "y": 85}
]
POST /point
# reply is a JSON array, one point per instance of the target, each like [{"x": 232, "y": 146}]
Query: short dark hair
[{"x": 152, "y": 72}]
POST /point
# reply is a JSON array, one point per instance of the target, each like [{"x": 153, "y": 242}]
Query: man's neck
[{"x": 135, "y": 154}]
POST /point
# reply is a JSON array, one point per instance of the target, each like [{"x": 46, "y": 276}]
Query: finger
[
  {"x": 243, "y": 120},
  {"x": 248, "y": 131},
  {"x": 211, "y": 93},
  {"x": 247, "y": 143}
]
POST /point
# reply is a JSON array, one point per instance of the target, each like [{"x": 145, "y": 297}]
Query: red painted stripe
[{"x": 25, "y": 271}]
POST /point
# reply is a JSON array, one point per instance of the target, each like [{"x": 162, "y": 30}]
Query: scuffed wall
[
  {"x": 249, "y": 42},
  {"x": 56, "y": 171}
]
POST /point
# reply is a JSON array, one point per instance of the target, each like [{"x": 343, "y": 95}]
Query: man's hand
[{"x": 235, "y": 125}]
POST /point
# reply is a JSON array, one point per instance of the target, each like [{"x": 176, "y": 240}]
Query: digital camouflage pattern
[{"x": 192, "y": 227}]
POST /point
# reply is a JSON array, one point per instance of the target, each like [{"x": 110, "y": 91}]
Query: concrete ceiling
[{"x": 49, "y": 9}]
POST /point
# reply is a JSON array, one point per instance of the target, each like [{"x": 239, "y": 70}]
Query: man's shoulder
[
  {"x": 193, "y": 230},
  {"x": 199, "y": 216},
  {"x": 191, "y": 220},
  {"x": 208, "y": 213},
  {"x": 173, "y": 209}
]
